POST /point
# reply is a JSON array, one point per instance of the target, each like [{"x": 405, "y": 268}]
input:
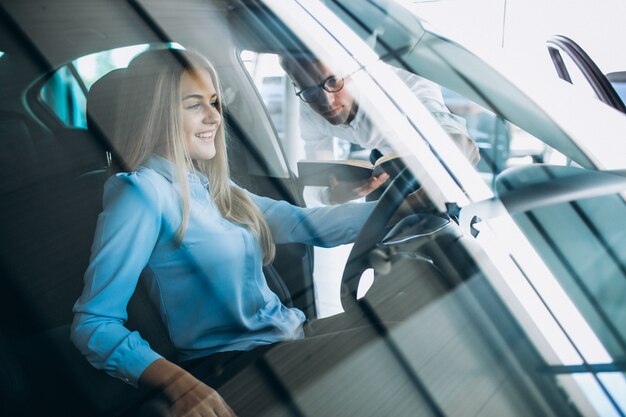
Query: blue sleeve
[
  {"x": 319, "y": 226},
  {"x": 126, "y": 234}
]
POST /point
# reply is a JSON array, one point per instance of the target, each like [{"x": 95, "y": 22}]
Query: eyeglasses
[{"x": 331, "y": 84}]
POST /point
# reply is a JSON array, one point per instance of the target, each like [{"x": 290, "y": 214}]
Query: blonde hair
[{"x": 150, "y": 122}]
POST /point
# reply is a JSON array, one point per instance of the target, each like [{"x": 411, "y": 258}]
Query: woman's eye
[
  {"x": 215, "y": 104},
  {"x": 194, "y": 106}
]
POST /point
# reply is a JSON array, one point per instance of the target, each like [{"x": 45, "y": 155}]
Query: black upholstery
[
  {"x": 50, "y": 196},
  {"x": 102, "y": 104},
  {"x": 18, "y": 152}
]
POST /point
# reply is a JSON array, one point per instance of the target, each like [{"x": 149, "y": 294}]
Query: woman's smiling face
[{"x": 201, "y": 117}]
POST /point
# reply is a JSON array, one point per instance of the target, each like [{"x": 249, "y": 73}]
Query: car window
[
  {"x": 618, "y": 81},
  {"x": 516, "y": 138},
  {"x": 429, "y": 55},
  {"x": 514, "y": 113},
  {"x": 65, "y": 96},
  {"x": 64, "y": 92},
  {"x": 277, "y": 92},
  {"x": 580, "y": 242},
  {"x": 271, "y": 82},
  {"x": 450, "y": 307},
  {"x": 620, "y": 88},
  {"x": 502, "y": 144}
]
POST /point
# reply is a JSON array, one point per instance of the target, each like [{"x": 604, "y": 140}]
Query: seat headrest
[{"x": 102, "y": 102}]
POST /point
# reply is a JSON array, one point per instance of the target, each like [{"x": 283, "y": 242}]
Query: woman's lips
[{"x": 206, "y": 136}]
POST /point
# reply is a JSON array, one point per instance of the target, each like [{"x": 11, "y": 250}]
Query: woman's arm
[
  {"x": 320, "y": 226},
  {"x": 430, "y": 95},
  {"x": 126, "y": 234}
]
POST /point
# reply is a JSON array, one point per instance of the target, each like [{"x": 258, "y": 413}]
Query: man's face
[{"x": 337, "y": 108}]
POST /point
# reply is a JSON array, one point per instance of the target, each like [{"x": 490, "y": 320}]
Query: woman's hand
[
  {"x": 188, "y": 396},
  {"x": 200, "y": 400}
]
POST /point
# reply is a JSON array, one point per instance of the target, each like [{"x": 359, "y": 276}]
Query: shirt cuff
[{"x": 134, "y": 362}]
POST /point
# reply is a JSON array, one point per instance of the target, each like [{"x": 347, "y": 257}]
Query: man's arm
[{"x": 430, "y": 95}]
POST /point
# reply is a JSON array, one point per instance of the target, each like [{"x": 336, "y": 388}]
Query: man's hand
[
  {"x": 188, "y": 396},
  {"x": 343, "y": 191}
]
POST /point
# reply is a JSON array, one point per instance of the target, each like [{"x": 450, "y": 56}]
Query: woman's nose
[{"x": 212, "y": 116}]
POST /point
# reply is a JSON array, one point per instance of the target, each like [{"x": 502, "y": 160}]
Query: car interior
[
  {"x": 56, "y": 157},
  {"x": 52, "y": 179}
]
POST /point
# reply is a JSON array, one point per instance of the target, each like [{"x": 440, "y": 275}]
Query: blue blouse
[{"x": 210, "y": 291}]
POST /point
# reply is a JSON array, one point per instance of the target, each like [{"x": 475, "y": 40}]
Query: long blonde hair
[{"x": 150, "y": 122}]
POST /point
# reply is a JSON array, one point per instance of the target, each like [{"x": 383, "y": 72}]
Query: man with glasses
[{"x": 332, "y": 111}]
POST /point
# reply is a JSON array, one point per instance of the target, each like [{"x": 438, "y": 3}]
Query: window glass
[
  {"x": 501, "y": 143},
  {"x": 580, "y": 242},
  {"x": 509, "y": 129},
  {"x": 270, "y": 81},
  {"x": 66, "y": 98},
  {"x": 65, "y": 91},
  {"x": 277, "y": 92},
  {"x": 445, "y": 343},
  {"x": 91, "y": 67},
  {"x": 276, "y": 89},
  {"x": 620, "y": 88},
  {"x": 618, "y": 81},
  {"x": 437, "y": 59},
  {"x": 577, "y": 266}
]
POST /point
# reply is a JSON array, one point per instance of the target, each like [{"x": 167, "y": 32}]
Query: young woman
[{"x": 205, "y": 240}]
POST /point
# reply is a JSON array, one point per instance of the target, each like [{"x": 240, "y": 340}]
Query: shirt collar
[
  {"x": 168, "y": 170},
  {"x": 357, "y": 118}
]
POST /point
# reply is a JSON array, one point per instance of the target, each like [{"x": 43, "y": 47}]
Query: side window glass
[
  {"x": 618, "y": 80},
  {"x": 65, "y": 91},
  {"x": 277, "y": 92},
  {"x": 271, "y": 83},
  {"x": 92, "y": 67},
  {"x": 66, "y": 98},
  {"x": 573, "y": 239},
  {"x": 501, "y": 143}
]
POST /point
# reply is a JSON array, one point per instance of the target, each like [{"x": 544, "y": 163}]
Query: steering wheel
[{"x": 372, "y": 233}]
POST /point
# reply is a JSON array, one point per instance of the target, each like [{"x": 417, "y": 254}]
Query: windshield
[
  {"x": 497, "y": 114},
  {"x": 520, "y": 146},
  {"x": 322, "y": 205}
]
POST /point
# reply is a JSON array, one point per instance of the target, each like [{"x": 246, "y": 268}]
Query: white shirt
[{"x": 318, "y": 134}]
